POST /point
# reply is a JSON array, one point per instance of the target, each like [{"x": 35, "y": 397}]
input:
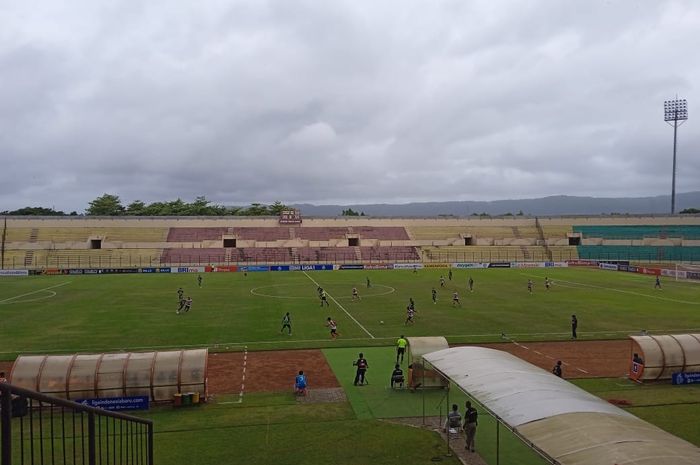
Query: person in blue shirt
[{"x": 300, "y": 384}]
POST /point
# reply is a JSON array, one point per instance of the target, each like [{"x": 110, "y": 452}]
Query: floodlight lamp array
[{"x": 675, "y": 110}]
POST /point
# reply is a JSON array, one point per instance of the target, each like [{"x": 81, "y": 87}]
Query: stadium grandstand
[{"x": 86, "y": 242}]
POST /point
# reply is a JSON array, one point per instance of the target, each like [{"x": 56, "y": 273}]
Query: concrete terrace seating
[
  {"x": 326, "y": 254},
  {"x": 13, "y": 259},
  {"x": 644, "y": 253},
  {"x": 384, "y": 233},
  {"x": 18, "y": 234},
  {"x": 263, "y": 234},
  {"x": 193, "y": 256},
  {"x": 195, "y": 234},
  {"x": 640, "y": 232},
  {"x": 382, "y": 253},
  {"x": 97, "y": 258},
  {"x": 320, "y": 234},
  {"x": 561, "y": 253},
  {"x": 487, "y": 253},
  {"x": 266, "y": 254}
]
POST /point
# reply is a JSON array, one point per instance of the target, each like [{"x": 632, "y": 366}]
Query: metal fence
[{"x": 40, "y": 429}]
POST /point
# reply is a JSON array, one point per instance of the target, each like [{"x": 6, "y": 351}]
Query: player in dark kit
[
  {"x": 287, "y": 323},
  {"x": 442, "y": 281},
  {"x": 529, "y": 286},
  {"x": 182, "y": 305},
  {"x": 369, "y": 284},
  {"x": 199, "y": 280},
  {"x": 657, "y": 284},
  {"x": 180, "y": 293},
  {"x": 574, "y": 325},
  {"x": 434, "y": 292},
  {"x": 449, "y": 275},
  {"x": 547, "y": 283},
  {"x": 471, "y": 284},
  {"x": 324, "y": 298}
]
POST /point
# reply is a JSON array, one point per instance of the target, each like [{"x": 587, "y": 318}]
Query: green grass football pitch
[
  {"x": 65, "y": 314},
  {"x": 54, "y": 314}
]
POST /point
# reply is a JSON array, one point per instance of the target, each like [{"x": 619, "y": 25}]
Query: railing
[{"x": 40, "y": 429}]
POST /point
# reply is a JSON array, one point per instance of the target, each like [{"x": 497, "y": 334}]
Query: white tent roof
[
  {"x": 515, "y": 390},
  {"x": 561, "y": 420}
]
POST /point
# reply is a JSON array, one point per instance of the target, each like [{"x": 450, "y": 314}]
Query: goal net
[{"x": 687, "y": 272}]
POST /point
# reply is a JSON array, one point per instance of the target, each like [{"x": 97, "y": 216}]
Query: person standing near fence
[{"x": 470, "y": 423}]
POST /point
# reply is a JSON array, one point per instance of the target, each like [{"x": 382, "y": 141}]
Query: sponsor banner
[
  {"x": 408, "y": 266},
  {"x": 499, "y": 265},
  {"x": 51, "y": 271},
  {"x": 253, "y": 268},
  {"x": 686, "y": 378},
  {"x": 470, "y": 265},
  {"x": 527, "y": 264},
  {"x": 225, "y": 269},
  {"x": 351, "y": 267},
  {"x": 652, "y": 271},
  {"x": 622, "y": 268},
  {"x": 279, "y": 267},
  {"x": 673, "y": 273},
  {"x": 326, "y": 267},
  {"x": 556, "y": 264},
  {"x": 379, "y": 266},
  {"x": 147, "y": 270},
  {"x": 692, "y": 275},
  {"x": 608, "y": 266},
  {"x": 188, "y": 269},
  {"x": 118, "y": 403},
  {"x": 14, "y": 272},
  {"x": 119, "y": 270},
  {"x": 436, "y": 265},
  {"x": 582, "y": 262}
]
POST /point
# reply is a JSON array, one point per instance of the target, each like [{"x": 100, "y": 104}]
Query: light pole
[{"x": 675, "y": 111}]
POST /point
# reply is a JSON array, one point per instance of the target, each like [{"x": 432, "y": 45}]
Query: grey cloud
[{"x": 342, "y": 101}]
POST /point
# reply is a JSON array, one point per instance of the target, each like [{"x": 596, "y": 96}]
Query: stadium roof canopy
[
  {"x": 562, "y": 422},
  {"x": 667, "y": 354}
]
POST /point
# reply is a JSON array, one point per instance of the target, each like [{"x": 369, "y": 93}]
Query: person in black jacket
[{"x": 362, "y": 365}]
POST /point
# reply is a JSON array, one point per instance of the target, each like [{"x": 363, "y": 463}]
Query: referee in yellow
[{"x": 401, "y": 344}]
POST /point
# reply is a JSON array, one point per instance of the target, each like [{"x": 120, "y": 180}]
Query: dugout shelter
[
  {"x": 663, "y": 355},
  {"x": 421, "y": 375},
  {"x": 563, "y": 423},
  {"x": 158, "y": 375}
]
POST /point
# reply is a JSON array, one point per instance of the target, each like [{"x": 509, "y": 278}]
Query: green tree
[
  {"x": 277, "y": 208},
  {"x": 136, "y": 208},
  {"x": 106, "y": 205},
  {"x": 689, "y": 211},
  {"x": 34, "y": 211},
  {"x": 349, "y": 212}
]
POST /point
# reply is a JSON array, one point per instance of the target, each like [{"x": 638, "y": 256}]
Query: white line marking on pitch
[
  {"x": 622, "y": 291},
  {"x": 341, "y": 307},
  {"x": 245, "y": 362},
  {"x": 34, "y": 292}
]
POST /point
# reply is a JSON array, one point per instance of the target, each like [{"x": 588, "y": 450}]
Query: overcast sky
[{"x": 343, "y": 101}]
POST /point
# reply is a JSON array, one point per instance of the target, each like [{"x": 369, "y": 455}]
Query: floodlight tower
[{"x": 675, "y": 111}]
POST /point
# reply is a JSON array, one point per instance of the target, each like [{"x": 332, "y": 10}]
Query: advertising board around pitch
[
  {"x": 117, "y": 403},
  {"x": 681, "y": 378}
]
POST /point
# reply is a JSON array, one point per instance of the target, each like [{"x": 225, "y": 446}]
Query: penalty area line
[
  {"x": 34, "y": 292},
  {"x": 341, "y": 307}
]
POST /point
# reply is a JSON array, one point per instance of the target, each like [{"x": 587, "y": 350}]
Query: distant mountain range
[{"x": 546, "y": 206}]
